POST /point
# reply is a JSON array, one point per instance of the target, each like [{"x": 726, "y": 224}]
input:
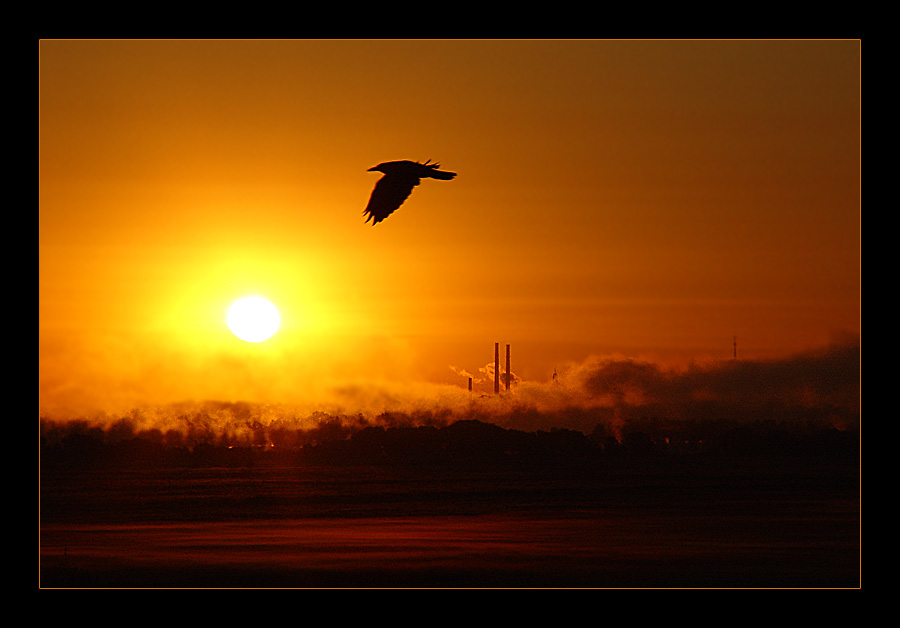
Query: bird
[{"x": 400, "y": 177}]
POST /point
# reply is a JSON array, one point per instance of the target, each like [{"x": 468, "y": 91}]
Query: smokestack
[
  {"x": 496, "y": 368},
  {"x": 470, "y": 384},
  {"x": 507, "y": 367}
]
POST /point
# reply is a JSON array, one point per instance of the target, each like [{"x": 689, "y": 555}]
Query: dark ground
[{"x": 461, "y": 516}]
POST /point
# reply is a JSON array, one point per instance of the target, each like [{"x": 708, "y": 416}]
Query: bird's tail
[
  {"x": 434, "y": 173},
  {"x": 442, "y": 174}
]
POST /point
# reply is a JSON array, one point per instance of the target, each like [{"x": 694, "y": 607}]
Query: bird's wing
[{"x": 388, "y": 195}]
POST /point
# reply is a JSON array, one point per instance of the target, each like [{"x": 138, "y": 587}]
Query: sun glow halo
[{"x": 253, "y": 319}]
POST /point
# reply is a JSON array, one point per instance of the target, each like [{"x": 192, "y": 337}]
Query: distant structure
[
  {"x": 734, "y": 344},
  {"x": 507, "y": 368},
  {"x": 496, "y": 368},
  {"x": 497, "y": 375}
]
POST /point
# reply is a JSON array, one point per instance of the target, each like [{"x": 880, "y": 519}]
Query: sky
[{"x": 656, "y": 200}]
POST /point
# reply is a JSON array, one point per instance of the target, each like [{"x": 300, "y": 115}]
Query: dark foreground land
[{"x": 419, "y": 509}]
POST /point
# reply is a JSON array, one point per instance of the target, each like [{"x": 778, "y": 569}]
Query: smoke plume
[{"x": 608, "y": 394}]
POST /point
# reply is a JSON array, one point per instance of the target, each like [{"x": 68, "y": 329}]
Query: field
[{"x": 679, "y": 521}]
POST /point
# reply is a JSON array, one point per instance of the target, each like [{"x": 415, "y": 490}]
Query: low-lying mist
[{"x": 605, "y": 397}]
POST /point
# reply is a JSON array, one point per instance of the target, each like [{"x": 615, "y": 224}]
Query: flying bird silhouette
[{"x": 400, "y": 177}]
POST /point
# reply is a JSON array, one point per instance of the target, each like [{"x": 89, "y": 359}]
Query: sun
[{"x": 253, "y": 319}]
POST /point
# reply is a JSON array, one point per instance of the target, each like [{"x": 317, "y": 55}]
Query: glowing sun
[{"x": 253, "y": 319}]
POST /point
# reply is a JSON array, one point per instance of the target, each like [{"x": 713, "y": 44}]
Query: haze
[{"x": 650, "y": 200}]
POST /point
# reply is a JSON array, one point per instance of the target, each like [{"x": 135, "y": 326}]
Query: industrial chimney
[
  {"x": 507, "y": 367},
  {"x": 496, "y": 368}
]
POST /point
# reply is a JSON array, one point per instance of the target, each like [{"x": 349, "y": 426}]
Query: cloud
[{"x": 826, "y": 376}]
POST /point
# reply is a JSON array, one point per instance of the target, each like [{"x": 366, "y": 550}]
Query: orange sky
[{"x": 643, "y": 198}]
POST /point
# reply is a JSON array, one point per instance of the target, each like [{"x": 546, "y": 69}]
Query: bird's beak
[{"x": 372, "y": 169}]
